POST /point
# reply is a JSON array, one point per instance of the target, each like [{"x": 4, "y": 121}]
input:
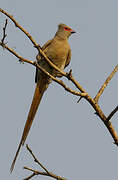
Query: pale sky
[{"x": 68, "y": 138}]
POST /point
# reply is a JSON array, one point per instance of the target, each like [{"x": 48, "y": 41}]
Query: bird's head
[{"x": 64, "y": 31}]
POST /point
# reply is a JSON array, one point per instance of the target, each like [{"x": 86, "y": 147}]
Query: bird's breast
[{"x": 57, "y": 53}]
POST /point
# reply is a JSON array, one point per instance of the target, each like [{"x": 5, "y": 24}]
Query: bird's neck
[{"x": 61, "y": 36}]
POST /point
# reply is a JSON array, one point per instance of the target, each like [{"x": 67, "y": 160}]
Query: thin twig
[
  {"x": 79, "y": 99},
  {"x": 76, "y": 83},
  {"x": 16, "y": 54},
  {"x": 36, "y": 160},
  {"x": 112, "y": 113},
  {"x": 4, "y": 32},
  {"x": 29, "y": 177},
  {"x": 44, "y": 174},
  {"x": 17, "y": 25},
  {"x": 105, "y": 84}
]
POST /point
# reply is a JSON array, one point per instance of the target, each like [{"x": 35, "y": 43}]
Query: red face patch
[{"x": 67, "y": 29}]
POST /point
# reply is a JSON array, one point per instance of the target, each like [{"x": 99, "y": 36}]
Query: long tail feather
[{"x": 39, "y": 90}]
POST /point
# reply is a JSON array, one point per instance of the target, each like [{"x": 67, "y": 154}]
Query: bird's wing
[
  {"x": 38, "y": 57},
  {"x": 68, "y": 58},
  {"x": 46, "y": 44},
  {"x": 67, "y": 63}
]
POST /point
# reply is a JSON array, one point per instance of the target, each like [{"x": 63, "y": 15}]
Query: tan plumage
[{"x": 59, "y": 52}]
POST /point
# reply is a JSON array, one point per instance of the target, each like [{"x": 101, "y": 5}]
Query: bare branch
[
  {"x": 35, "y": 159},
  {"x": 16, "y": 54},
  {"x": 46, "y": 173},
  {"x": 79, "y": 99},
  {"x": 78, "y": 86},
  {"x": 20, "y": 27},
  {"x": 29, "y": 177},
  {"x": 105, "y": 83},
  {"x": 112, "y": 113},
  {"x": 4, "y": 32},
  {"x": 84, "y": 94},
  {"x": 54, "y": 176}
]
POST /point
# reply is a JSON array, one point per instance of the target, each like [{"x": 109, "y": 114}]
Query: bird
[{"x": 59, "y": 52}]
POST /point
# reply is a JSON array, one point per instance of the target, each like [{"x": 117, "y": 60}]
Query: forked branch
[{"x": 44, "y": 173}]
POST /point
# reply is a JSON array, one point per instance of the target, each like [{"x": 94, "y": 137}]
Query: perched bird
[{"x": 59, "y": 52}]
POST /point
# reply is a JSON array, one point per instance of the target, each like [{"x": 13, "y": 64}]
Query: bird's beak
[{"x": 72, "y": 31}]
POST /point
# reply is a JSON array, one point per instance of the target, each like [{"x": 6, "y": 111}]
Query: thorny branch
[
  {"x": 44, "y": 173},
  {"x": 93, "y": 101}
]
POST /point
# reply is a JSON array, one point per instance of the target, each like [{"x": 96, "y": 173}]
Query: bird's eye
[{"x": 67, "y": 29}]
